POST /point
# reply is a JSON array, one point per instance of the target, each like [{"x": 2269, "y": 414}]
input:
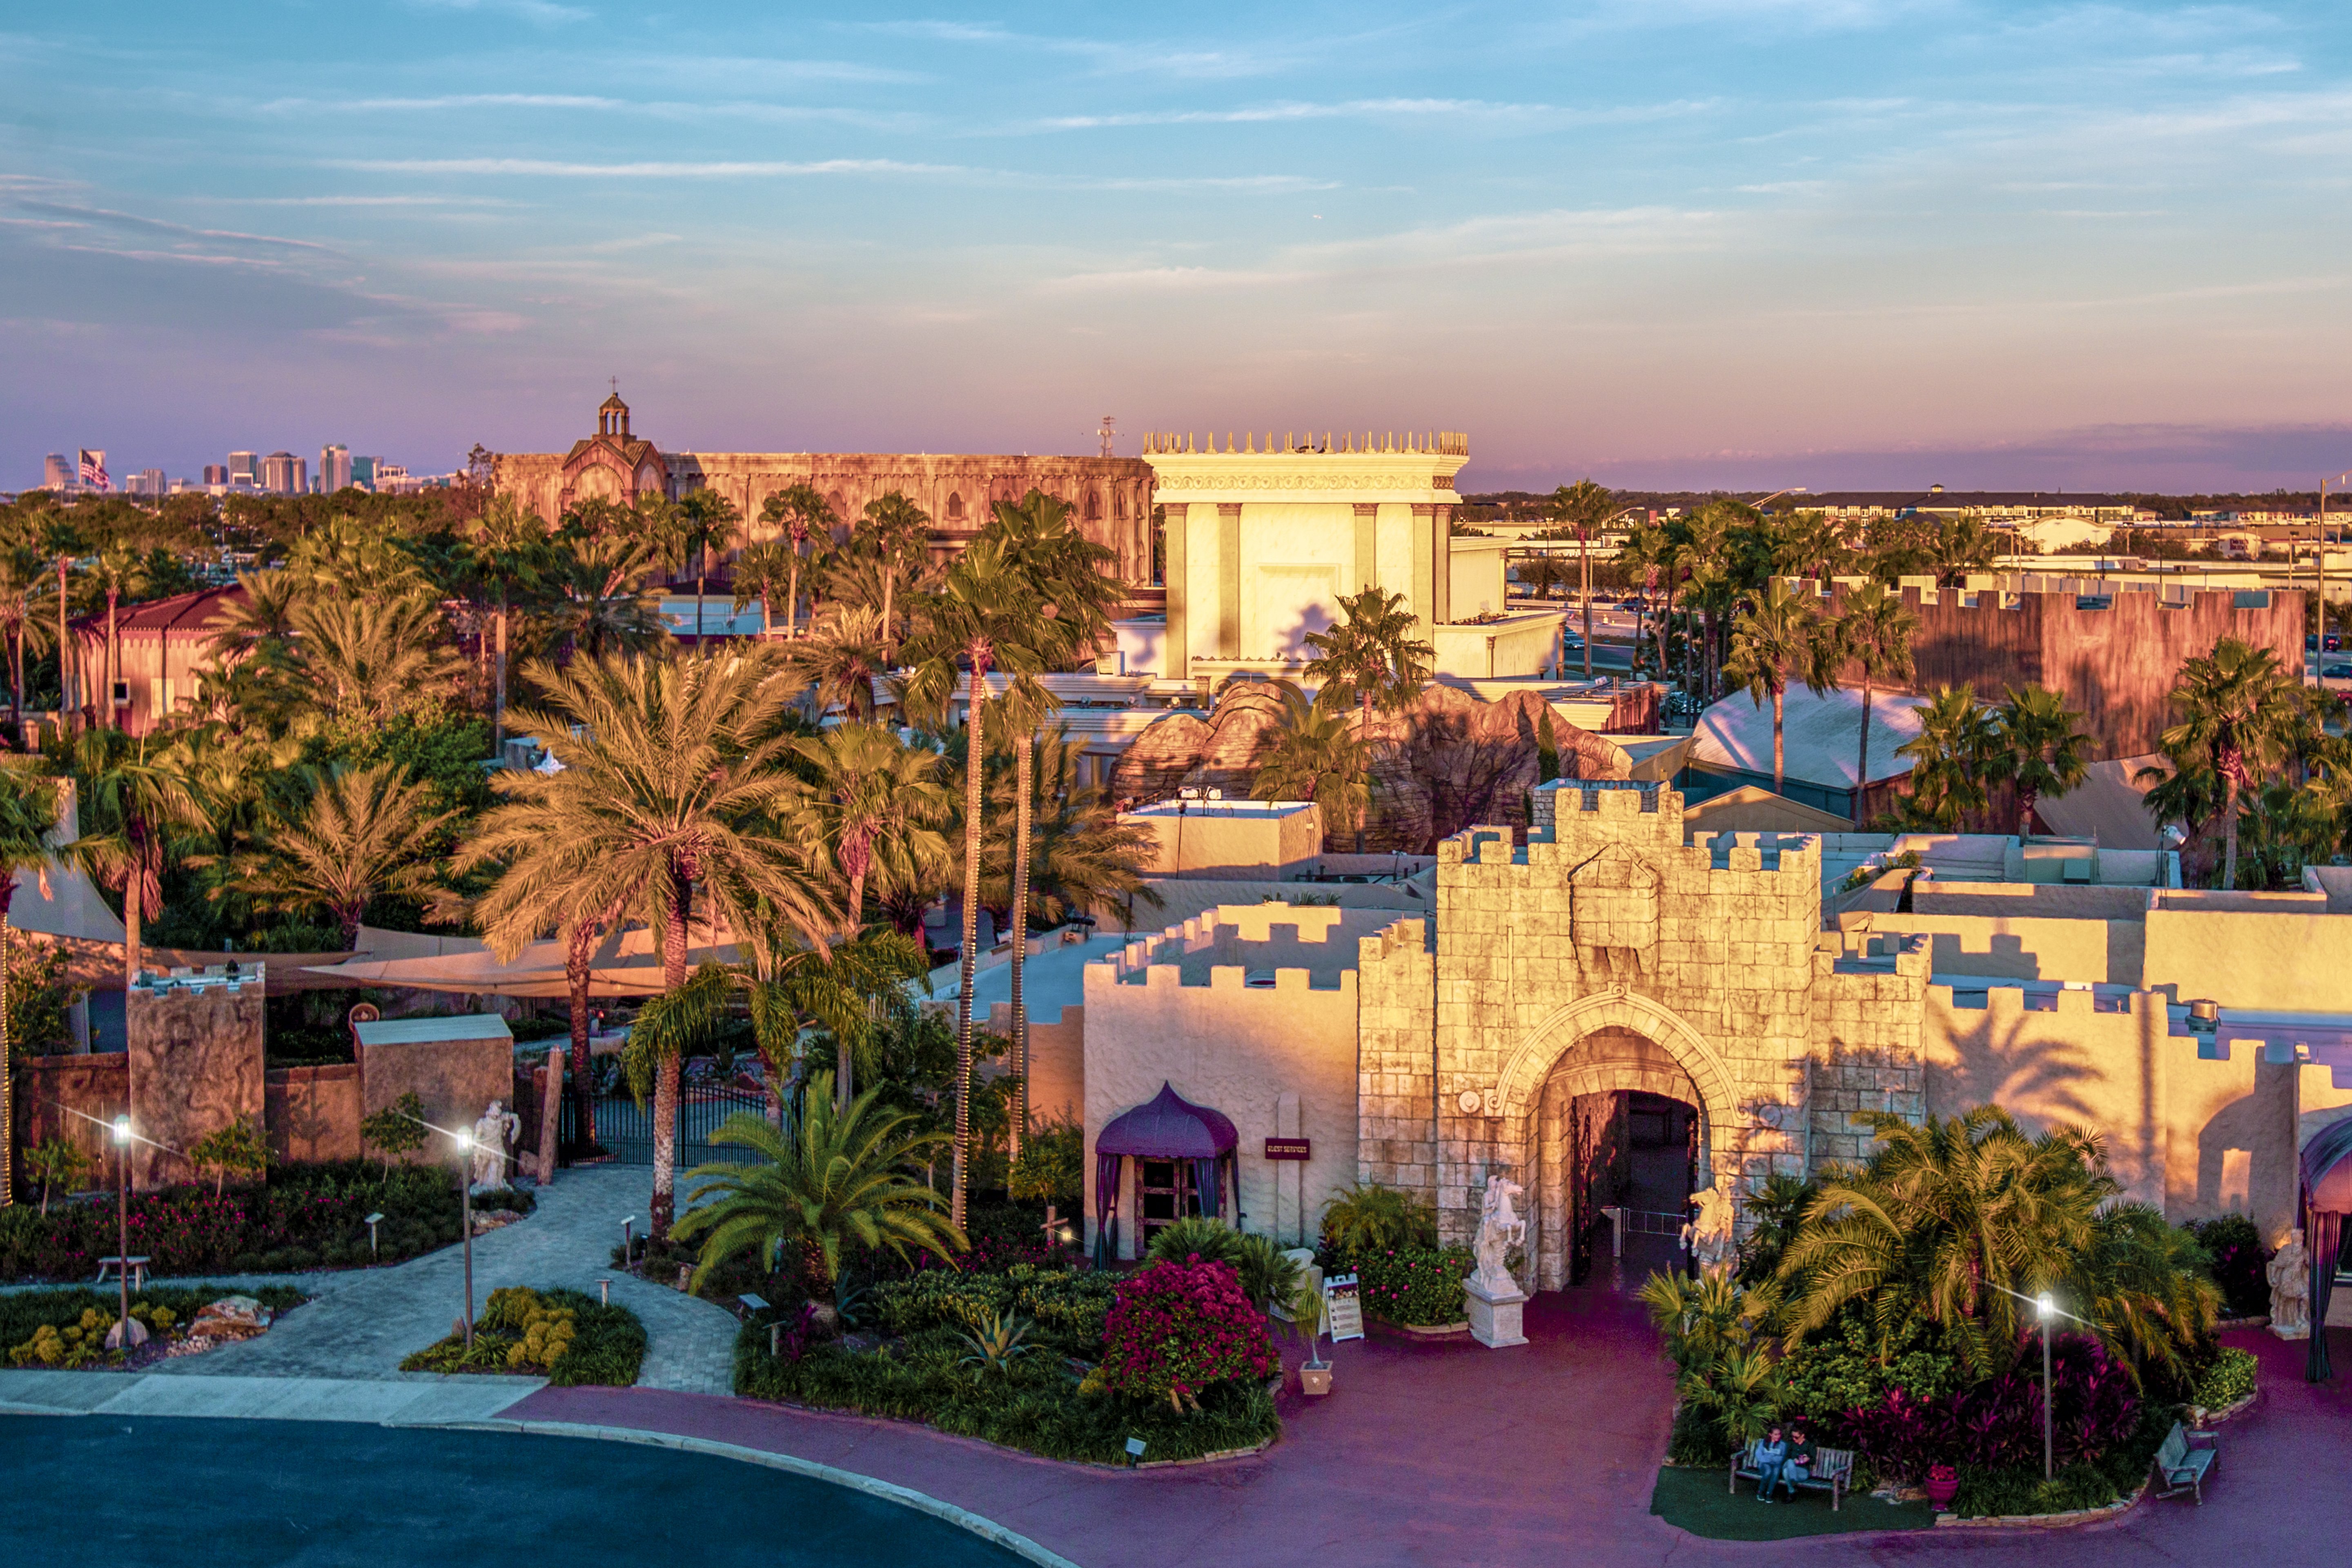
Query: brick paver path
[{"x": 1451, "y": 1454}]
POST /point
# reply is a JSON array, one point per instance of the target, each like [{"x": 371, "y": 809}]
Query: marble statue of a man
[
  {"x": 1500, "y": 1229},
  {"x": 494, "y": 1137},
  {"x": 2289, "y": 1271}
]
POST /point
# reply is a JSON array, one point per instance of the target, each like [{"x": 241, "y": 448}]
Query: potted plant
[
  {"x": 1306, "y": 1322},
  {"x": 1943, "y": 1485}
]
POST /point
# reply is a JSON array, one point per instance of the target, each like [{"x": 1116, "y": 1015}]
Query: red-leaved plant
[{"x": 1176, "y": 1329}]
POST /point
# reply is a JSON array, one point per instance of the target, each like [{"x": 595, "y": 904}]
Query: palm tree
[
  {"x": 1771, "y": 641},
  {"x": 804, "y": 514},
  {"x": 1949, "y": 758},
  {"x": 1962, "y": 545},
  {"x": 1371, "y": 658},
  {"x": 28, "y": 815},
  {"x": 2237, "y": 707},
  {"x": 842, "y": 657},
  {"x": 23, "y": 574},
  {"x": 369, "y": 834},
  {"x": 132, "y": 800},
  {"x": 1081, "y": 857},
  {"x": 608, "y": 606},
  {"x": 118, "y": 573},
  {"x": 841, "y": 1178},
  {"x": 705, "y": 517},
  {"x": 262, "y": 620},
  {"x": 672, "y": 785},
  {"x": 372, "y": 659},
  {"x": 875, "y": 806},
  {"x": 509, "y": 549},
  {"x": 761, "y": 571},
  {"x": 984, "y": 617},
  {"x": 1583, "y": 508},
  {"x": 2037, "y": 749},
  {"x": 1316, "y": 756},
  {"x": 895, "y": 535},
  {"x": 1878, "y": 629}
]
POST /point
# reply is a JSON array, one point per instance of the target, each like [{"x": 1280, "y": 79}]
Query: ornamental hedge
[
  {"x": 305, "y": 1216},
  {"x": 1419, "y": 1287}
]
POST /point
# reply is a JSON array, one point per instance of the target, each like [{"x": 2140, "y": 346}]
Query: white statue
[
  {"x": 1500, "y": 1229},
  {"x": 1709, "y": 1234},
  {"x": 2289, "y": 1271},
  {"x": 494, "y": 1137}
]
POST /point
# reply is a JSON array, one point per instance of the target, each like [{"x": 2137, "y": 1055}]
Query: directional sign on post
[{"x": 1341, "y": 1307}]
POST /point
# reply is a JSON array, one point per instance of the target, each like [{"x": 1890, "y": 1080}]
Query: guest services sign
[{"x": 1287, "y": 1148}]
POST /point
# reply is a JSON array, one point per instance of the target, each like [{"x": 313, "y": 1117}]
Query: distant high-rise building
[
  {"x": 243, "y": 468},
  {"x": 147, "y": 484},
  {"x": 57, "y": 474},
  {"x": 283, "y": 473},
  {"x": 215, "y": 473},
  {"x": 334, "y": 468},
  {"x": 363, "y": 473},
  {"x": 91, "y": 469}
]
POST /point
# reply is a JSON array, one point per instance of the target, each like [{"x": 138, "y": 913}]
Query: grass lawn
[{"x": 1696, "y": 1500}]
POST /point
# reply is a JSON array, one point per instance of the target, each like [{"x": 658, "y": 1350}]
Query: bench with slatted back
[
  {"x": 1831, "y": 1470},
  {"x": 2181, "y": 1463}
]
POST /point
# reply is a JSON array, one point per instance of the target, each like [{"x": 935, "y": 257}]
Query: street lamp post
[
  {"x": 2046, "y": 1309},
  {"x": 123, "y": 1328},
  {"x": 465, "y": 1209}
]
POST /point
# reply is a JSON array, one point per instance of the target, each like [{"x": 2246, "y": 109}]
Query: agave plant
[{"x": 997, "y": 1341}]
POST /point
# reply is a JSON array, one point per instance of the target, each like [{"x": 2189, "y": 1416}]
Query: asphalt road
[{"x": 257, "y": 1494}]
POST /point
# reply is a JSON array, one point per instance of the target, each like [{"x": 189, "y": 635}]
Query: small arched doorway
[{"x": 1619, "y": 1125}]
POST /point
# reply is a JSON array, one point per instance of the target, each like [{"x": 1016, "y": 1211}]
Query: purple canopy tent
[
  {"x": 2326, "y": 1199},
  {"x": 1168, "y": 1127}
]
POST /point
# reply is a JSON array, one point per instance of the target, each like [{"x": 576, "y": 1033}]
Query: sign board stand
[{"x": 1343, "y": 1311}]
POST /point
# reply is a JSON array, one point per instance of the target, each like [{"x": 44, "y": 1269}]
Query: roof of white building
[{"x": 1821, "y": 736}]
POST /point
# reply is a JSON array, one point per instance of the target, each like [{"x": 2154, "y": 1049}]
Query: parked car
[{"x": 2336, "y": 672}]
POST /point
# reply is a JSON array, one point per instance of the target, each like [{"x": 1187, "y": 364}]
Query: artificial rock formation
[{"x": 1447, "y": 761}]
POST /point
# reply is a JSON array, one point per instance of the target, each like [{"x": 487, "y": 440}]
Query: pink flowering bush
[{"x": 1179, "y": 1328}]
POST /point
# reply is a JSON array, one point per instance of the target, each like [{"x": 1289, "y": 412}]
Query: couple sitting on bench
[{"x": 1782, "y": 1461}]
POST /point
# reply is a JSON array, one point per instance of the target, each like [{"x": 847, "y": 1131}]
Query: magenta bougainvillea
[{"x": 1179, "y": 1328}]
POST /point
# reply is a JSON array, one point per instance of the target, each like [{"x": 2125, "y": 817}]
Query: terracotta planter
[
  {"x": 1314, "y": 1381},
  {"x": 1941, "y": 1490}
]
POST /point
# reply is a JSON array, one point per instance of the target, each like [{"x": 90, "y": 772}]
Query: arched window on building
[
  {"x": 955, "y": 506},
  {"x": 1094, "y": 506}
]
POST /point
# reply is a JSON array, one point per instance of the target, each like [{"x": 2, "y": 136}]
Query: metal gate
[{"x": 626, "y": 1131}]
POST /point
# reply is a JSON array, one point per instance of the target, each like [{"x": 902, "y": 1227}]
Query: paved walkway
[
  {"x": 364, "y": 1320},
  {"x": 1451, "y": 1454}
]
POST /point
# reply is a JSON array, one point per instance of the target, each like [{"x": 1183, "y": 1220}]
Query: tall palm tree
[
  {"x": 672, "y": 785},
  {"x": 608, "y": 606},
  {"x": 705, "y": 517},
  {"x": 132, "y": 798},
  {"x": 28, "y": 815},
  {"x": 1961, "y": 545},
  {"x": 1878, "y": 629},
  {"x": 369, "y": 833},
  {"x": 1081, "y": 857},
  {"x": 261, "y": 620},
  {"x": 1316, "y": 756},
  {"x": 119, "y": 575},
  {"x": 2237, "y": 707},
  {"x": 1949, "y": 758},
  {"x": 372, "y": 659},
  {"x": 1772, "y": 641},
  {"x": 841, "y": 1178},
  {"x": 762, "y": 572},
  {"x": 2038, "y": 750},
  {"x": 894, "y": 534},
  {"x": 23, "y": 574},
  {"x": 1371, "y": 658},
  {"x": 841, "y": 658},
  {"x": 805, "y": 515},
  {"x": 1582, "y": 508},
  {"x": 507, "y": 549},
  {"x": 984, "y": 617}
]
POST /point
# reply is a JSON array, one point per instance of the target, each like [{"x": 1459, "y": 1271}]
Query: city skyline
[{"x": 1841, "y": 243}]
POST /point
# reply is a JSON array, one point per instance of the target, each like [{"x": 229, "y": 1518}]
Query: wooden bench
[
  {"x": 138, "y": 1270},
  {"x": 1831, "y": 1470},
  {"x": 2182, "y": 1464}
]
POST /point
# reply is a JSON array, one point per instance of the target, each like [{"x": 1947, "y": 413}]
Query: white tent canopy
[
  {"x": 627, "y": 963},
  {"x": 1821, "y": 735}
]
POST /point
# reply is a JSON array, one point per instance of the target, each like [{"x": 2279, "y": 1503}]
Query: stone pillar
[
  {"x": 1175, "y": 655},
  {"x": 195, "y": 1065},
  {"x": 1229, "y": 580},
  {"x": 551, "y": 1116}
]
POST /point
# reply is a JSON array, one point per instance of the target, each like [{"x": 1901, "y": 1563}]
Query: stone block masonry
[{"x": 195, "y": 1065}]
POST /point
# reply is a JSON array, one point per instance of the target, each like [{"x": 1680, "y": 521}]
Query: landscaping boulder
[{"x": 230, "y": 1318}]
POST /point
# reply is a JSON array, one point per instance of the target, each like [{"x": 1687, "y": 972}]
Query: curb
[{"x": 905, "y": 1497}]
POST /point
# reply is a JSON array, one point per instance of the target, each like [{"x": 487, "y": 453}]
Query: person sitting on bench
[
  {"x": 1771, "y": 1454},
  {"x": 1799, "y": 1466}
]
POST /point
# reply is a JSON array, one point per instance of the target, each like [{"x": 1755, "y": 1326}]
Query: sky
[{"x": 1739, "y": 243}]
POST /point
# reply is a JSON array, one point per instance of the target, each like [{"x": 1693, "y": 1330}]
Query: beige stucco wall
[
  {"x": 1210, "y": 837},
  {"x": 2299, "y": 962},
  {"x": 1174, "y": 1009},
  {"x": 2014, "y": 948}
]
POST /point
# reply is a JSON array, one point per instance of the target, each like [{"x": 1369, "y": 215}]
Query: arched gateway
[{"x": 1605, "y": 960}]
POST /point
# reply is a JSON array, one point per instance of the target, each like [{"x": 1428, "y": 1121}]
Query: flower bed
[
  {"x": 1413, "y": 1287},
  {"x": 306, "y": 1216},
  {"x": 42, "y": 1330},
  {"x": 564, "y": 1336},
  {"x": 1007, "y": 1358}
]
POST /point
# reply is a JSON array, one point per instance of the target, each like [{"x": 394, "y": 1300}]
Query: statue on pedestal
[
  {"x": 1500, "y": 1229},
  {"x": 2289, "y": 1272},
  {"x": 494, "y": 1137},
  {"x": 1709, "y": 1234}
]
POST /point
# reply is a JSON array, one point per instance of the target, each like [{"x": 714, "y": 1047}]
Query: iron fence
[{"x": 626, "y": 1130}]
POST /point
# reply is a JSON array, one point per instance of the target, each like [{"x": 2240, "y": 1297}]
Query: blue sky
[{"x": 1748, "y": 242}]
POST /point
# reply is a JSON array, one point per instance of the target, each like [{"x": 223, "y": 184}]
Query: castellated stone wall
[
  {"x": 1867, "y": 1019},
  {"x": 1607, "y": 921},
  {"x": 1396, "y": 1086}
]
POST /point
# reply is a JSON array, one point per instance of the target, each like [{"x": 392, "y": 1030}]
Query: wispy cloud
[
  {"x": 888, "y": 168},
  {"x": 543, "y": 12},
  {"x": 1466, "y": 109}
]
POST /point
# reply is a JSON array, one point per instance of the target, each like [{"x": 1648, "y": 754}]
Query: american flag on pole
[{"x": 93, "y": 471}]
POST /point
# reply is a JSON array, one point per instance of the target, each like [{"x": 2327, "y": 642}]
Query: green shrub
[
  {"x": 1034, "y": 1403},
  {"x": 1066, "y": 1309},
  {"x": 1419, "y": 1287},
  {"x": 1837, "y": 1371},
  {"x": 1211, "y": 1240},
  {"x": 1376, "y": 1219},
  {"x": 1051, "y": 1166},
  {"x": 25, "y": 1314},
  {"x": 568, "y": 1335},
  {"x": 2227, "y": 1379}
]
